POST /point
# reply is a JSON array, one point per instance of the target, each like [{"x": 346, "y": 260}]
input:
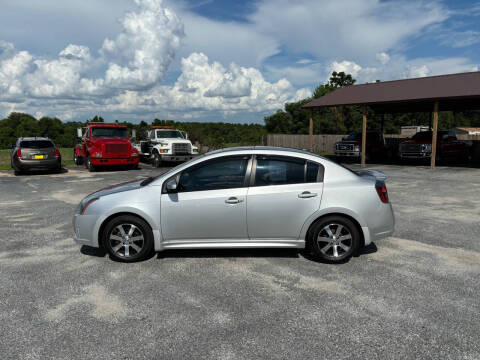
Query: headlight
[
  {"x": 87, "y": 204},
  {"x": 134, "y": 154},
  {"x": 427, "y": 147},
  {"x": 163, "y": 150},
  {"x": 357, "y": 148},
  {"x": 97, "y": 154},
  {"x": 195, "y": 149}
]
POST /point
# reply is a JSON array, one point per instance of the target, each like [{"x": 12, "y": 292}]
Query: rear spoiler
[{"x": 370, "y": 172}]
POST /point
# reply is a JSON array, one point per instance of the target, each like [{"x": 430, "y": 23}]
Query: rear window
[{"x": 36, "y": 144}]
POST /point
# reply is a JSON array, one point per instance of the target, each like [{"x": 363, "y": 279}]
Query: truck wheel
[
  {"x": 88, "y": 164},
  {"x": 157, "y": 160},
  {"x": 77, "y": 159}
]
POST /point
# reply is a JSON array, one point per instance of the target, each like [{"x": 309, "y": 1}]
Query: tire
[
  {"x": 123, "y": 247},
  {"x": 18, "y": 172},
  {"x": 325, "y": 240},
  {"x": 88, "y": 164},
  {"x": 77, "y": 159},
  {"x": 156, "y": 160}
]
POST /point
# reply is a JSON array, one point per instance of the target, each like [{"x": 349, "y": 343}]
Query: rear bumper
[
  {"x": 115, "y": 161},
  {"x": 23, "y": 164}
]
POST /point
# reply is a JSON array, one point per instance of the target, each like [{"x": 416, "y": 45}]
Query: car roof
[
  {"x": 261, "y": 148},
  {"x": 39, "y": 138}
]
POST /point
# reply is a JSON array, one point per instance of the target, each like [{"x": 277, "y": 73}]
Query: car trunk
[{"x": 38, "y": 153}]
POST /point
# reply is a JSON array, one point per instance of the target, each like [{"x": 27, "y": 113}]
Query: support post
[
  {"x": 310, "y": 131},
  {"x": 434, "y": 135},
  {"x": 364, "y": 135}
]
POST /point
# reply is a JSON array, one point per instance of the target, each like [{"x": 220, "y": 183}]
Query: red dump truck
[{"x": 105, "y": 144}]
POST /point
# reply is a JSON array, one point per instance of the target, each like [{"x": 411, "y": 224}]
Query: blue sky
[{"x": 217, "y": 60}]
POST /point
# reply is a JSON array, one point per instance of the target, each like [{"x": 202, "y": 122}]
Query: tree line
[
  {"x": 64, "y": 134},
  {"x": 293, "y": 119}
]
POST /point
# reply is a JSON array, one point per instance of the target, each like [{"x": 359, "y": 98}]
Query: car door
[
  {"x": 283, "y": 193},
  {"x": 209, "y": 203}
]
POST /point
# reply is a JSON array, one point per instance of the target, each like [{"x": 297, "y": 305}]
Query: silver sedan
[{"x": 255, "y": 197}]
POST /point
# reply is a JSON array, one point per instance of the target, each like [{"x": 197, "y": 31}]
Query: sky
[{"x": 217, "y": 60}]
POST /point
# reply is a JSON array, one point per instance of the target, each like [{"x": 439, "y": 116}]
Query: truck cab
[
  {"x": 105, "y": 144},
  {"x": 351, "y": 146},
  {"x": 419, "y": 146},
  {"x": 166, "y": 144}
]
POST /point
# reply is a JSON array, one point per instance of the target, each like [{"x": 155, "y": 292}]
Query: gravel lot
[{"x": 414, "y": 295}]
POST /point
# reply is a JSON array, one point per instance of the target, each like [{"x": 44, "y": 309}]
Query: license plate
[{"x": 38, "y": 157}]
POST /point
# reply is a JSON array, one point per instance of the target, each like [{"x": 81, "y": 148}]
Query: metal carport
[{"x": 433, "y": 93}]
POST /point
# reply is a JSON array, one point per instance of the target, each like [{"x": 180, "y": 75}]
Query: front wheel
[
  {"x": 88, "y": 164},
  {"x": 128, "y": 239},
  {"x": 157, "y": 160},
  {"x": 334, "y": 239}
]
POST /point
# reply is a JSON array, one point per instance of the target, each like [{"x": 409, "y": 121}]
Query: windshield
[
  {"x": 354, "y": 137},
  {"x": 36, "y": 144},
  {"x": 169, "y": 134},
  {"x": 109, "y": 132}
]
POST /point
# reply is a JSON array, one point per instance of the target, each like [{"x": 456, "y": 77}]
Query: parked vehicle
[
  {"x": 419, "y": 146},
  {"x": 240, "y": 198},
  {"x": 351, "y": 146},
  {"x": 35, "y": 153},
  {"x": 166, "y": 144},
  {"x": 105, "y": 144}
]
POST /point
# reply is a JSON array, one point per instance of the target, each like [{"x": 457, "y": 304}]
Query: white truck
[{"x": 164, "y": 143}]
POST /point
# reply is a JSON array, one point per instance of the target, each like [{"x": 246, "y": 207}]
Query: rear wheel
[
  {"x": 77, "y": 159},
  {"x": 128, "y": 238},
  {"x": 334, "y": 239}
]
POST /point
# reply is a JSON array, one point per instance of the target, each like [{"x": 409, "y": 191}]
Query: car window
[
  {"x": 36, "y": 144},
  {"x": 311, "y": 174},
  {"x": 222, "y": 173},
  {"x": 279, "y": 171}
]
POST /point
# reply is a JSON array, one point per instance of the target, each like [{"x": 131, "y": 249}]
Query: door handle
[
  {"x": 306, "y": 195},
  {"x": 233, "y": 200}
]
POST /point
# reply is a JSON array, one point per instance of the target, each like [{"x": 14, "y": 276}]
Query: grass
[{"x": 67, "y": 158}]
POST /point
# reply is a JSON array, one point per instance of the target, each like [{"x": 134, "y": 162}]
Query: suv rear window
[{"x": 36, "y": 144}]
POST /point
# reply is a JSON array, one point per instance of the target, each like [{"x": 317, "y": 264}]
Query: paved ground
[{"x": 415, "y": 295}]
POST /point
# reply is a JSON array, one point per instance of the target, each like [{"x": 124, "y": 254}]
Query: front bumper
[
  {"x": 176, "y": 157},
  {"x": 83, "y": 226},
  {"x": 347, "y": 153},
  {"x": 115, "y": 161},
  {"x": 415, "y": 155}
]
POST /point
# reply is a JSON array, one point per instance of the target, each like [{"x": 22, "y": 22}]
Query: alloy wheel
[
  {"x": 126, "y": 240},
  {"x": 334, "y": 240}
]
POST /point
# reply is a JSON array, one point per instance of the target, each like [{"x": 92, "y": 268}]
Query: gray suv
[{"x": 35, "y": 153}]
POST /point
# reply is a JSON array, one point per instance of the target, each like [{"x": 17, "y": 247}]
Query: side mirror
[
  {"x": 445, "y": 137},
  {"x": 79, "y": 132},
  {"x": 134, "y": 133},
  {"x": 171, "y": 186}
]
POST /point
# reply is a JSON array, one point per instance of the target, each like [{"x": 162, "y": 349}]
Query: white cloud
[
  {"x": 383, "y": 58},
  {"x": 348, "y": 67},
  {"x": 141, "y": 54}
]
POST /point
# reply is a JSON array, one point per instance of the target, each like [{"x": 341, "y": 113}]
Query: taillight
[
  {"x": 57, "y": 153},
  {"x": 19, "y": 153},
  {"x": 382, "y": 191}
]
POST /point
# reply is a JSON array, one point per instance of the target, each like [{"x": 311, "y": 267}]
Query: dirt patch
[{"x": 104, "y": 306}]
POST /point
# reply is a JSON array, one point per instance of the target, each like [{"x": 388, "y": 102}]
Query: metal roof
[{"x": 453, "y": 91}]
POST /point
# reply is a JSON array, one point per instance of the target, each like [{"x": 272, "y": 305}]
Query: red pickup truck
[
  {"x": 105, "y": 144},
  {"x": 419, "y": 146}
]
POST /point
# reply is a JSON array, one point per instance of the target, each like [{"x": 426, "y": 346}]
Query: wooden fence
[{"x": 324, "y": 143}]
